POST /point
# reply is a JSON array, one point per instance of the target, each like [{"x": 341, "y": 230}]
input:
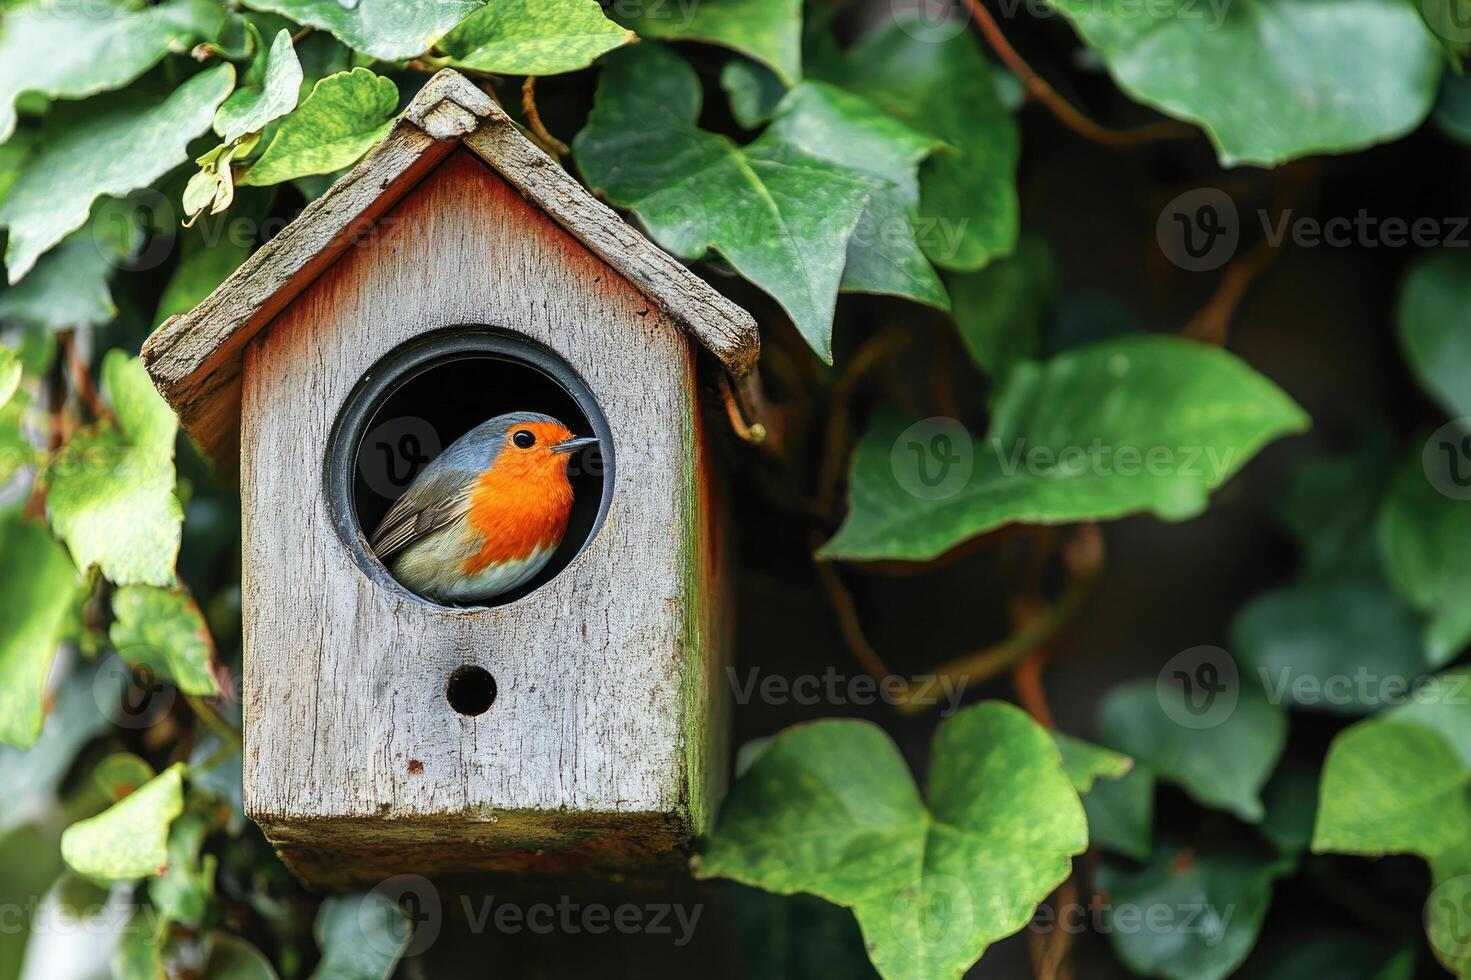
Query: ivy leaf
[
  {"x": 129, "y": 839},
  {"x": 753, "y": 89},
  {"x": 106, "y": 46},
  {"x": 346, "y": 115},
  {"x": 13, "y": 155},
  {"x": 111, "y": 145},
  {"x": 1001, "y": 310},
  {"x": 1085, "y": 762},
  {"x": 268, "y": 91},
  {"x": 139, "y": 951},
  {"x": 231, "y": 958},
  {"x": 1224, "y": 766},
  {"x": 165, "y": 630},
  {"x": 967, "y": 194},
  {"x": 533, "y": 37},
  {"x": 183, "y": 892},
  {"x": 1434, "y": 319},
  {"x": 1310, "y": 642},
  {"x": 1137, "y": 424},
  {"x": 339, "y": 933},
  {"x": 390, "y": 30},
  {"x": 782, "y": 218},
  {"x": 120, "y": 774},
  {"x": 1400, "y": 783},
  {"x": 1328, "y": 502},
  {"x": 1225, "y": 895},
  {"x": 827, "y": 123},
  {"x": 1272, "y": 81},
  {"x": 1121, "y": 814},
  {"x": 770, "y": 31},
  {"x": 68, "y": 287},
  {"x": 32, "y": 775},
  {"x": 1422, "y": 534},
  {"x": 112, "y": 486},
  {"x": 213, "y": 187},
  {"x": 38, "y": 587},
  {"x": 1291, "y": 799},
  {"x": 830, "y": 808}
]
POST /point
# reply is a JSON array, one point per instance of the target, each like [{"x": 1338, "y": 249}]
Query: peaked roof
[{"x": 194, "y": 358}]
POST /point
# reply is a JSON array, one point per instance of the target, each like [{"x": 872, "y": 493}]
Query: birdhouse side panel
[{"x": 345, "y": 709}]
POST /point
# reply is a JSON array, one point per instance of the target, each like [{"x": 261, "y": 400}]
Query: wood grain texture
[
  {"x": 194, "y": 358},
  {"x": 599, "y": 744}
]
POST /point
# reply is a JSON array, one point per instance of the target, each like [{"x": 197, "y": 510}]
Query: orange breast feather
[{"x": 519, "y": 505}]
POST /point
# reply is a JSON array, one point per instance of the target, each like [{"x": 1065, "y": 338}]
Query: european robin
[{"x": 487, "y": 514}]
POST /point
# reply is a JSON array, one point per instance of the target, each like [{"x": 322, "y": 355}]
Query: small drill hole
[{"x": 471, "y": 691}]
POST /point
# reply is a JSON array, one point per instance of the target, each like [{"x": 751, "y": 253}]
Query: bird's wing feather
[{"x": 435, "y": 500}]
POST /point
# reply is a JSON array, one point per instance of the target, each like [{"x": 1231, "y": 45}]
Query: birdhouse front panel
[{"x": 591, "y": 708}]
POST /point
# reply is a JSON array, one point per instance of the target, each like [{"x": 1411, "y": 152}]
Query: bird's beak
[{"x": 573, "y": 445}]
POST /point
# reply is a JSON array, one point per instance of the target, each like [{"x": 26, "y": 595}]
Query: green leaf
[
  {"x": 1291, "y": 799},
  {"x": 780, "y": 217},
  {"x": 1137, "y": 424},
  {"x": 231, "y": 958},
  {"x": 346, "y": 115},
  {"x": 339, "y": 933},
  {"x": 1328, "y": 502},
  {"x": 129, "y": 839},
  {"x": 391, "y": 30},
  {"x": 68, "y": 286},
  {"x": 830, "y": 808},
  {"x": 106, "y": 46},
  {"x": 1347, "y": 647},
  {"x": 533, "y": 37},
  {"x": 13, "y": 155},
  {"x": 120, "y": 774},
  {"x": 112, "y": 487},
  {"x": 1453, "y": 107},
  {"x": 10, "y": 373},
  {"x": 1001, "y": 310},
  {"x": 1214, "y": 902},
  {"x": 1434, "y": 319},
  {"x": 827, "y": 123},
  {"x": 164, "y": 629},
  {"x": 139, "y": 951},
  {"x": 1400, "y": 783},
  {"x": 1274, "y": 80},
  {"x": 1342, "y": 957},
  {"x": 770, "y": 31},
  {"x": 1085, "y": 762},
  {"x": 38, "y": 587},
  {"x": 1121, "y": 814},
  {"x": 111, "y": 145},
  {"x": 1422, "y": 535},
  {"x": 211, "y": 250},
  {"x": 967, "y": 199},
  {"x": 754, "y": 91},
  {"x": 1223, "y": 766},
  {"x": 183, "y": 892},
  {"x": 268, "y": 91}
]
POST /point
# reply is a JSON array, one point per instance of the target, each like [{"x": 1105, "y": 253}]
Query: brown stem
[
  {"x": 554, "y": 146},
  {"x": 754, "y": 433},
  {"x": 847, "y": 614},
  {"x": 1213, "y": 322},
  {"x": 1070, "y": 117},
  {"x": 81, "y": 378},
  {"x": 873, "y": 352}
]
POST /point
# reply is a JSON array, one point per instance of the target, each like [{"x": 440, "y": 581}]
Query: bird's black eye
[{"x": 524, "y": 439}]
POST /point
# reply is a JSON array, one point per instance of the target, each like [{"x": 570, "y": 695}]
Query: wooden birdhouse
[{"x": 455, "y": 274}]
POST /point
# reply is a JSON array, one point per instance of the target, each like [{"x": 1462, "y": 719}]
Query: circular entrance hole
[
  {"x": 418, "y": 400},
  {"x": 471, "y": 691}
]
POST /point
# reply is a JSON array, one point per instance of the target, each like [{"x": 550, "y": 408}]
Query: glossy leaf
[
  {"x": 110, "y": 146},
  {"x": 164, "y": 629},
  {"x": 533, "y": 37},
  {"x": 1422, "y": 536},
  {"x": 1121, "y": 814},
  {"x": 1085, "y": 762},
  {"x": 345, "y": 116},
  {"x": 107, "y": 45},
  {"x": 129, "y": 839},
  {"x": 1434, "y": 318},
  {"x": 339, "y": 932},
  {"x": 38, "y": 586},
  {"x": 1223, "y": 766},
  {"x": 1002, "y": 310},
  {"x": 753, "y": 89},
  {"x": 267, "y": 92},
  {"x": 120, "y": 774},
  {"x": 781, "y": 217},
  {"x": 1147, "y": 424},
  {"x": 231, "y": 958},
  {"x": 112, "y": 487},
  {"x": 967, "y": 202},
  {"x": 830, "y": 808},
  {"x": 770, "y": 31},
  {"x": 183, "y": 892},
  {"x": 392, "y": 30},
  {"x": 1201, "y": 911},
  {"x": 1271, "y": 81}
]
